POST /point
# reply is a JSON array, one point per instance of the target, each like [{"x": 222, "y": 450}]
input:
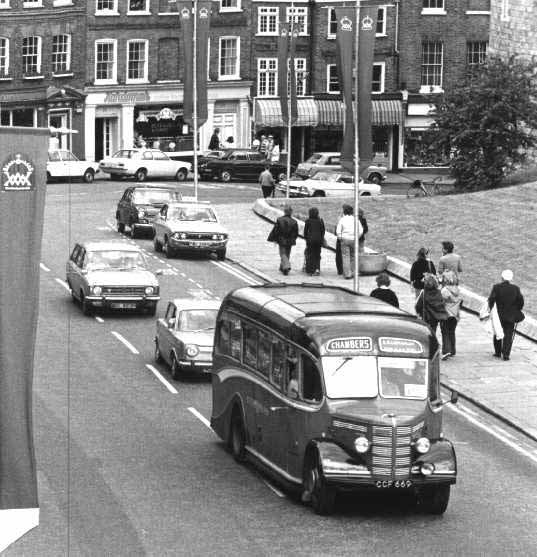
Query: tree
[{"x": 489, "y": 122}]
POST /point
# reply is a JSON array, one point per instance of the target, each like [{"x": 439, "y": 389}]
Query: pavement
[{"x": 506, "y": 389}]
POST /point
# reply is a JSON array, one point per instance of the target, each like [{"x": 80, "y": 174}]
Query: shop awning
[
  {"x": 268, "y": 113},
  {"x": 383, "y": 112}
]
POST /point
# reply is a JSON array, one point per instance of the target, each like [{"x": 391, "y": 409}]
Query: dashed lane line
[
  {"x": 123, "y": 340},
  {"x": 99, "y": 319},
  {"x": 200, "y": 417},
  {"x": 236, "y": 272},
  {"x": 44, "y": 267},
  {"x": 157, "y": 374}
]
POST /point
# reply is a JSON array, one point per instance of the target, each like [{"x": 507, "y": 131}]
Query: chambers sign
[{"x": 126, "y": 97}]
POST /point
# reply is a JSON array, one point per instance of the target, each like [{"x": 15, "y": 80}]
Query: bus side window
[
  {"x": 224, "y": 337},
  {"x": 278, "y": 363},
  {"x": 293, "y": 375},
  {"x": 264, "y": 356},
  {"x": 250, "y": 345},
  {"x": 311, "y": 380},
  {"x": 236, "y": 338}
]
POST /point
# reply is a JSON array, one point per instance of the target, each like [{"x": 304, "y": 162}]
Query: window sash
[
  {"x": 105, "y": 61},
  {"x": 4, "y": 56},
  {"x": 377, "y": 83},
  {"x": 230, "y": 5},
  {"x": 31, "y": 55},
  {"x": 300, "y": 19},
  {"x": 138, "y": 6},
  {"x": 136, "y": 60},
  {"x": 431, "y": 63},
  {"x": 332, "y": 23},
  {"x": 433, "y": 4},
  {"x": 332, "y": 79},
  {"x": 229, "y": 52},
  {"x": 61, "y": 53},
  {"x": 381, "y": 21},
  {"x": 476, "y": 52},
  {"x": 106, "y": 6},
  {"x": 267, "y": 21},
  {"x": 267, "y": 77}
]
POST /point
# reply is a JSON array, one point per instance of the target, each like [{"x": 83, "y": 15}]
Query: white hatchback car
[
  {"x": 143, "y": 164},
  {"x": 327, "y": 184},
  {"x": 62, "y": 163},
  {"x": 332, "y": 161}
]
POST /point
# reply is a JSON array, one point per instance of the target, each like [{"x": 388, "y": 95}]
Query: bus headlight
[
  {"x": 191, "y": 350},
  {"x": 423, "y": 445},
  {"x": 361, "y": 444},
  {"x": 96, "y": 290},
  {"x": 427, "y": 468}
]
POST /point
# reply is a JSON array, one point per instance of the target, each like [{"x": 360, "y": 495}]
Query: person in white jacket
[{"x": 345, "y": 233}]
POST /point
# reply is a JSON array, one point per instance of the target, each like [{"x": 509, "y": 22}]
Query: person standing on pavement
[
  {"x": 383, "y": 291},
  {"x": 286, "y": 233},
  {"x": 214, "y": 142},
  {"x": 345, "y": 232},
  {"x": 449, "y": 261},
  {"x": 421, "y": 266},
  {"x": 267, "y": 182},
  {"x": 314, "y": 231},
  {"x": 452, "y": 299},
  {"x": 509, "y": 303},
  {"x": 430, "y": 305},
  {"x": 263, "y": 143}
]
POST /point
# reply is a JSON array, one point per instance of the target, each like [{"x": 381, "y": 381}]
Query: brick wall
[{"x": 513, "y": 27}]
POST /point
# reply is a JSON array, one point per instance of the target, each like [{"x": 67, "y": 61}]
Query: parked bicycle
[{"x": 424, "y": 189}]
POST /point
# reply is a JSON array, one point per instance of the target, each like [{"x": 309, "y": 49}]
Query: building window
[
  {"x": 300, "y": 19},
  {"x": 31, "y": 55},
  {"x": 4, "y": 4},
  {"x": 267, "y": 21},
  {"x": 431, "y": 65},
  {"x": 136, "y": 61},
  {"x": 228, "y": 66},
  {"x": 381, "y": 22},
  {"x": 504, "y": 13},
  {"x": 300, "y": 76},
  {"x": 433, "y": 7},
  {"x": 32, "y": 4},
  {"x": 377, "y": 82},
  {"x": 267, "y": 77},
  {"x": 105, "y": 61},
  {"x": 4, "y": 57},
  {"x": 61, "y": 53},
  {"x": 106, "y": 7},
  {"x": 138, "y": 6},
  {"x": 332, "y": 80},
  {"x": 332, "y": 23},
  {"x": 476, "y": 52},
  {"x": 230, "y": 5}
]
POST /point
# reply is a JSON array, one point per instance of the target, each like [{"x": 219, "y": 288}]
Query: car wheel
[
  {"x": 89, "y": 176},
  {"x": 140, "y": 175},
  {"x": 152, "y": 310},
  {"x": 73, "y": 297},
  {"x": 237, "y": 437},
  {"x": 134, "y": 231},
  {"x": 433, "y": 499},
  {"x": 225, "y": 176},
  {"x": 86, "y": 306},
  {"x": 181, "y": 175},
  {"x": 319, "y": 193},
  {"x": 374, "y": 178},
  {"x": 175, "y": 368},
  {"x": 322, "y": 496},
  {"x": 167, "y": 249},
  {"x": 221, "y": 254},
  {"x": 120, "y": 227},
  {"x": 157, "y": 355},
  {"x": 157, "y": 246},
  {"x": 49, "y": 177},
  {"x": 365, "y": 194},
  {"x": 282, "y": 176}
]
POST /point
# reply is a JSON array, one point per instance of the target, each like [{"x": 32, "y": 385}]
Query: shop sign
[
  {"x": 126, "y": 97},
  {"x": 17, "y": 173}
]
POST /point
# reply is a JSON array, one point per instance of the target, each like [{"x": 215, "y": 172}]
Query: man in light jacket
[{"x": 345, "y": 233}]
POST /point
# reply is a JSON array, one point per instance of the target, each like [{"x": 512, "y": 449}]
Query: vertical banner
[
  {"x": 283, "y": 50},
  {"x": 366, "y": 47},
  {"x": 204, "y": 22},
  {"x": 23, "y": 153},
  {"x": 344, "y": 57},
  {"x": 292, "y": 78},
  {"x": 187, "y": 29}
]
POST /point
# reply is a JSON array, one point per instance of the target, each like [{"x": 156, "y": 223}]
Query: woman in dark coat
[
  {"x": 314, "y": 235},
  {"x": 430, "y": 305},
  {"x": 421, "y": 266}
]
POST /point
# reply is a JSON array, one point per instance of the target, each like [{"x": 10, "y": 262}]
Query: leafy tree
[{"x": 489, "y": 122}]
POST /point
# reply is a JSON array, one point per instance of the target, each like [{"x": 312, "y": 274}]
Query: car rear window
[
  {"x": 155, "y": 197},
  {"x": 316, "y": 157}
]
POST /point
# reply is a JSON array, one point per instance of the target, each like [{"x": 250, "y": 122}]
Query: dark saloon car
[
  {"x": 240, "y": 164},
  {"x": 139, "y": 205}
]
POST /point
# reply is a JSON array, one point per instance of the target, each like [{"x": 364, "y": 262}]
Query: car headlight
[
  {"x": 423, "y": 445},
  {"x": 191, "y": 350},
  {"x": 427, "y": 468},
  {"x": 141, "y": 213},
  {"x": 361, "y": 444},
  {"x": 96, "y": 290},
  {"x": 149, "y": 290}
]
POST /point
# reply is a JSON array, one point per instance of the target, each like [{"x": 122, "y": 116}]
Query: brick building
[
  {"x": 513, "y": 27},
  {"x": 42, "y": 67}
]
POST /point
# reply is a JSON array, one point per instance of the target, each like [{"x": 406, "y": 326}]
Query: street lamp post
[
  {"x": 356, "y": 281},
  {"x": 195, "y": 97}
]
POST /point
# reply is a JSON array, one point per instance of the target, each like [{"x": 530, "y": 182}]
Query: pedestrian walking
[
  {"x": 363, "y": 222},
  {"x": 449, "y": 261},
  {"x": 275, "y": 153},
  {"x": 263, "y": 143},
  {"x": 430, "y": 305},
  {"x": 452, "y": 300},
  {"x": 509, "y": 303},
  {"x": 383, "y": 291},
  {"x": 285, "y": 233},
  {"x": 270, "y": 146},
  {"x": 214, "y": 142},
  {"x": 345, "y": 232},
  {"x": 421, "y": 266},
  {"x": 267, "y": 183},
  {"x": 314, "y": 231}
]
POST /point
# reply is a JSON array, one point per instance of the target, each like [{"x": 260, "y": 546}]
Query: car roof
[
  {"x": 195, "y": 303},
  {"x": 337, "y": 153},
  {"x": 188, "y": 203},
  {"x": 154, "y": 187},
  {"x": 111, "y": 245}
]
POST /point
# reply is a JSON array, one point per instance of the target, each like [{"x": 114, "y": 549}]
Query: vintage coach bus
[{"x": 330, "y": 390}]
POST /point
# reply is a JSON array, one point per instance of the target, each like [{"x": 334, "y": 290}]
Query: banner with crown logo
[{"x": 286, "y": 73}]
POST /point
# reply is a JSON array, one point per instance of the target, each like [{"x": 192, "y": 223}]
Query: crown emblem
[
  {"x": 367, "y": 23},
  {"x": 185, "y": 13},
  {"x": 283, "y": 32},
  {"x": 346, "y": 24},
  {"x": 17, "y": 174},
  {"x": 204, "y": 13}
]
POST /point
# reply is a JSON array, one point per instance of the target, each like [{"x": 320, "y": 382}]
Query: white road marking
[
  {"x": 239, "y": 274},
  {"x": 63, "y": 283},
  {"x": 157, "y": 374},
  {"x": 99, "y": 319},
  {"x": 503, "y": 432},
  {"x": 200, "y": 417},
  {"x": 125, "y": 342},
  {"x": 199, "y": 285},
  {"x": 274, "y": 489},
  {"x": 494, "y": 433},
  {"x": 44, "y": 267},
  {"x": 468, "y": 410}
]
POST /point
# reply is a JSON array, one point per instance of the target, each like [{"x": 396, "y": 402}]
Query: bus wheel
[
  {"x": 316, "y": 489},
  {"x": 238, "y": 437},
  {"x": 433, "y": 499}
]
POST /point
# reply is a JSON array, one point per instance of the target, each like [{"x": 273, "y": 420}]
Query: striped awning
[
  {"x": 268, "y": 113},
  {"x": 383, "y": 112}
]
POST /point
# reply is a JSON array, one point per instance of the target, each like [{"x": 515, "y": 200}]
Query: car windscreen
[
  {"x": 204, "y": 214},
  {"x": 116, "y": 260},
  {"x": 197, "y": 319},
  {"x": 369, "y": 377},
  {"x": 316, "y": 157},
  {"x": 124, "y": 154},
  {"x": 155, "y": 197}
]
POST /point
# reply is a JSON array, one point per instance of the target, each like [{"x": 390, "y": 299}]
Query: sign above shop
[
  {"x": 126, "y": 97},
  {"x": 166, "y": 114}
]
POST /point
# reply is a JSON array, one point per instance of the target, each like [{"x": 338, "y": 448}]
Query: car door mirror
[
  {"x": 171, "y": 323},
  {"x": 159, "y": 272},
  {"x": 454, "y": 397}
]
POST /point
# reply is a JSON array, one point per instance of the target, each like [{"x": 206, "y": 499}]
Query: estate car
[
  {"x": 332, "y": 161},
  {"x": 62, "y": 163}
]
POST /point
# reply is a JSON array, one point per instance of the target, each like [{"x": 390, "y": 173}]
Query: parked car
[
  {"x": 144, "y": 163},
  {"x": 111, "y": 275},
  {"x": 240, "y": 164},
  {"x": 191, "y": 227},
  {"x": 139, "y": 205},
  {"x": 328, "y": 184},
  {"x": 332, "y": 161},
  {"x": 185, "y": 335},
  {"x": 62, "y": 163}
]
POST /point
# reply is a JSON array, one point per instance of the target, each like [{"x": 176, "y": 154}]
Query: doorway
[{"x": 104, "y": 137}]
